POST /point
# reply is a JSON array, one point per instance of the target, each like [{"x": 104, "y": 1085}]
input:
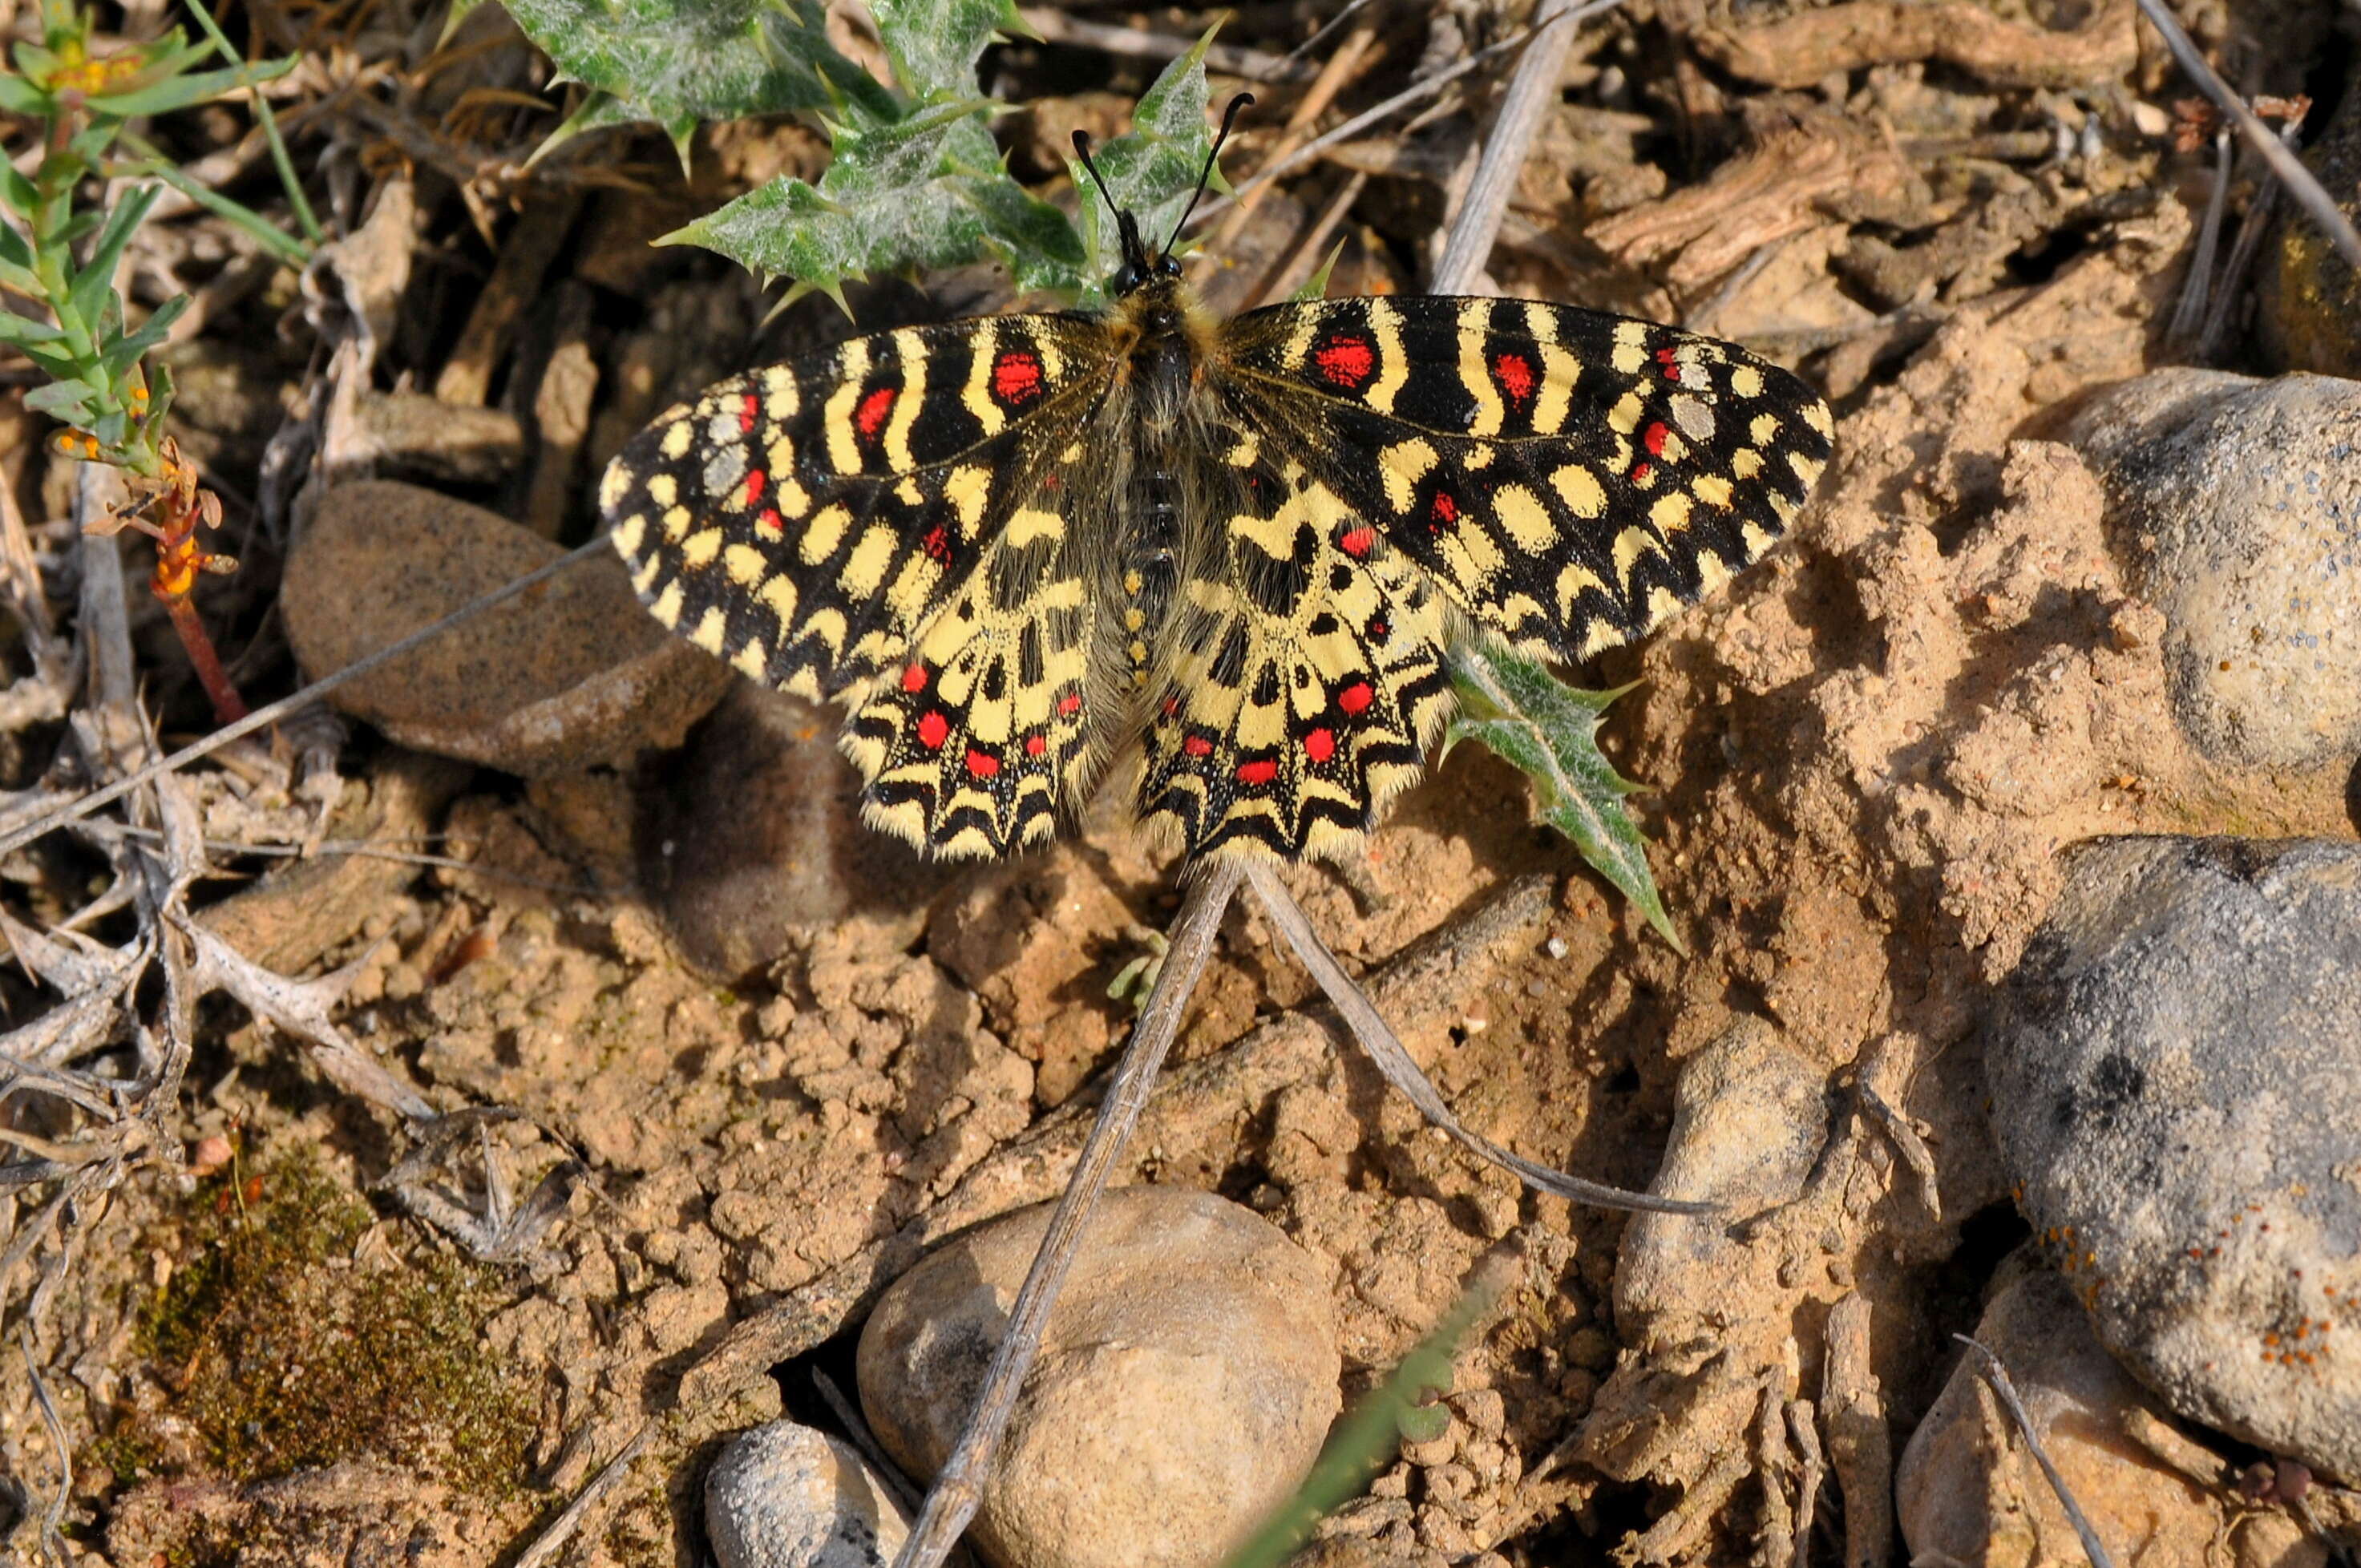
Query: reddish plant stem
[{"x": 228, "y": 707}]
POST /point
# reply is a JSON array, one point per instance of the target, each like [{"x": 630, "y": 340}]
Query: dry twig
[{"x": 2300, "y": 181}]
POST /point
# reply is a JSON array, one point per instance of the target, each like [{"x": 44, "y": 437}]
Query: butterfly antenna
[
  {"x": 1135, "y": 249},
  {"x": 1229, "y": 118}
]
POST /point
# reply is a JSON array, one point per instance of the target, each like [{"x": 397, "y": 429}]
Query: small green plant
[
  {"x": 1405, "y": 1410},
  {"x": 915, "y": 179},
  {"x": 63, "y": 259}
]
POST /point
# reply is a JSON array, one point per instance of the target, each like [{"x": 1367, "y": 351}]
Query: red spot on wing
[
  {"x": 1320, "y": 745},
  {"x": 1357, "y": 542},
  {"x": 1355, "y": 697},
  {"x": 1652, "y": 438},
  {"x": 1668, "y": 359},
  {"x": 755, "y": 480},
  {"x": 938, "y": 545},
  {"x": 748, "y": 411},
  {"x": 1197, "y": 746},
  {"x": 1053, "y": 483},
  {"x": 769, "y": 522},
  {"x": 1171, "y": 705},
  {"x": 914, "y": 679},
  {"x": 1070, "y": 705},
  {"x": 1515, "y": 374},
  {"x": 1640, "y": 472},
  {"x": 870, "y": 417},
  {"x": 982, "y": 764},
  {"x": 1345, "y": 360},
  {"x": 933, "y": 730},
  {"x": 1260, "y": 772},
  {"x": 1035, "y": 744},
  {"x": 1378, "y": 629},
  {"x": 1016, "y": 375},
  {"x": 1444, "y": 510}
]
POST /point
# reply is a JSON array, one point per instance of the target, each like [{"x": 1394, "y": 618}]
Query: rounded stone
[
  {"x": 572, "y": 673},
  {"x": 2175, "y": 1073},
  {"x": 2241, "y": 501},
  {"x": 1186, "y": 1382},
  {"x": 784, "y": 1495}
]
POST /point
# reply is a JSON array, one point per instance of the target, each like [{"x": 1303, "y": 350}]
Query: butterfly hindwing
[
  {"x": 875, "y": 524},
  {"x": 1569, "y": 478},
  {"x": 1302, "y": 677}
]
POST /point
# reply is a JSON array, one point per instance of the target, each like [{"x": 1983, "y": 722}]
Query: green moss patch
[{"x": 284, "y": 1350}]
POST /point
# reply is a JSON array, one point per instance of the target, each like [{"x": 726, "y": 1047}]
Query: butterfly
[{"x": 1018, "y": 548}]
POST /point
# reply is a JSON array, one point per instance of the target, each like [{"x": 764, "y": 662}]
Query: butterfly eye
[
  {"x": 1169, "y": 268},
  {"x": 1125, "y": 279}
]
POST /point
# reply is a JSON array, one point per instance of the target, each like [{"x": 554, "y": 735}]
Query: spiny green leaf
[
  {"x": 1315, "y": 286},
  {"x": 1549, "y": 731},
  {"x": 929, "y": 191},
  {"x": 712, "y": 60},
  {"x": 935, "y": 44}
]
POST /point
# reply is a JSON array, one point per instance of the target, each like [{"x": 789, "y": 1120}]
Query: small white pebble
[{"x": 1555, "y": 948}]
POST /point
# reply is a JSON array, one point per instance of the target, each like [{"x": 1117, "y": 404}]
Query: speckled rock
[
  {"x": 2241, "y": 501},
  {"x": 569, "y": 675},
  {"x": 1185, "y": 1384},
  {"x": 2174, "y": 1074},
  {"x": 784, "y": 1495},
  {"x": 753, "y": 832},
  {"x": 1969, "y": 1489}
]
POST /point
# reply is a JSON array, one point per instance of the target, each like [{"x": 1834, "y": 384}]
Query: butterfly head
[{"x": 1141, "y": 265}]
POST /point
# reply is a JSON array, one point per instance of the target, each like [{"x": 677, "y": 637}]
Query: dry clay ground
[{"x": 1864, "y": 762}]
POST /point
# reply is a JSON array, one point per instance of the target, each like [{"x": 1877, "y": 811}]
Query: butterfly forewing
[
  {"x": 883, "y": 524},
  {"x": 1569, "y": 478}
]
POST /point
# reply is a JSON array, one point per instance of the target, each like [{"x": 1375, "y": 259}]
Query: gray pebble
[
  {"x": 784, "y": 1495},
  {"x": 2242, "y": 499},
  {"x": 569, "y": 675},
  {"x": 1186, "y": 1383},
  {"x": 2176, "y": 1087}
]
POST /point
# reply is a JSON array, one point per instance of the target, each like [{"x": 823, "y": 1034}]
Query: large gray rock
[
  {"x": 784, "y": 1495},
  {"x": 2176, "y": 1087},
  {"x": 2242, "y": 500},
  {"x": 568, "y": 675},
  {"x": 1187, "y": 1380}
]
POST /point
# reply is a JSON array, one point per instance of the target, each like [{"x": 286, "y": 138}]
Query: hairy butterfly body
[{"x": 1015, "y": 547}]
